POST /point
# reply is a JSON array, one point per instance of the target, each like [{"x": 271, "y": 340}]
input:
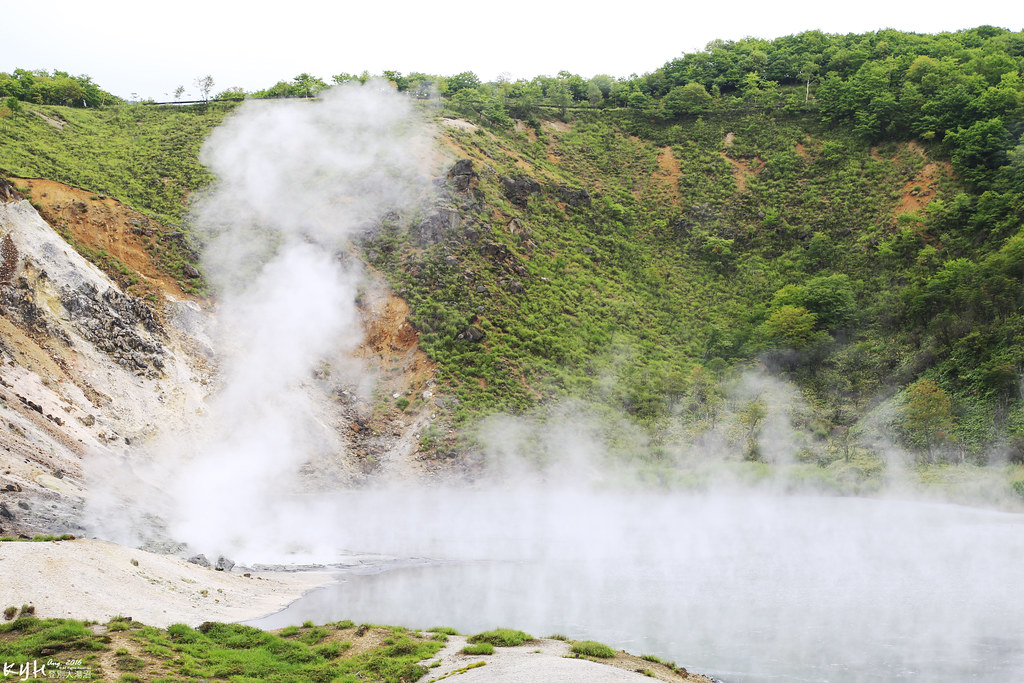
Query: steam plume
[{"x": 295, "y": 181}]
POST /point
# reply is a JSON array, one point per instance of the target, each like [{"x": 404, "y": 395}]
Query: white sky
[{"x": 149, "y": 48}]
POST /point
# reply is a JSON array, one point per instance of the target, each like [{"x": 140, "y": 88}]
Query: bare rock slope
[{"x": 89, "y": 372}]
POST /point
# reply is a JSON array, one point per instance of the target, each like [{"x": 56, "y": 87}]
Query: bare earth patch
[
  {"x": 97, "y": 580},
  {"x": 669, "y": 174},
  {"x": 921, "y": 189},
  {"x": 56, "y": 123},
  {"x": 741, "y": 171},
  {"x": 546, "y": 661},
  {"x": 460, "y": 124},
  {"x": 105, "y": 224}
]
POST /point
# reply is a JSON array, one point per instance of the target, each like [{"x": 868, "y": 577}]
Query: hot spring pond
[{"x": 744, "y": 588}]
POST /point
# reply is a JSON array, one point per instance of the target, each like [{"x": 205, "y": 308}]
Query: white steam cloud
[{"x": 295, "y": 181}]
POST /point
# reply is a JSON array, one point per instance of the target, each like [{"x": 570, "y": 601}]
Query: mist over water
[
  {"x": 741, "y": 581},
  {"x": 744, "y": 585}
]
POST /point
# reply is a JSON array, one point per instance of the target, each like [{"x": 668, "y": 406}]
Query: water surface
[{"x": 746, "y": 588}]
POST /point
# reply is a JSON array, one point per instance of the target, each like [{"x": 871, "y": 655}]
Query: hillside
[{"x": 805, "y": 252}]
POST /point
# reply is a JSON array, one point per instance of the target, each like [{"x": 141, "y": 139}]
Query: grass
[
  {"x": 591, "y": 648},
  {"x": 216, "y": 651},
  {"x": 478, "y": 649},
  {"x": 43, "y": 538},
  {"x": 145, "y": 156},
  {"x": 468, "y": 667},
  {"x": 502, "y": 637},
  {"x": 446, "y": 630}
]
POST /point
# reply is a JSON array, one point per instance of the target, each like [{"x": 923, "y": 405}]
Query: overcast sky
[{"x": 149, "y": 48}]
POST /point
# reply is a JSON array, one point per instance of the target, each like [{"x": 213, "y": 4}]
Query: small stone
[
  {"x": 473, "y": 334},
  {"x": 200, "y": 559}
]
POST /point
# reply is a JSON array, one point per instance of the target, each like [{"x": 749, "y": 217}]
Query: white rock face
[
  {"x": 48, "y": 251},
  {"x": 109, "y": 405},
  {"x": 63, "y": 399}
]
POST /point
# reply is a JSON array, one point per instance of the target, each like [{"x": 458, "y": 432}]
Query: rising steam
[{"x": 295, "y": 181}]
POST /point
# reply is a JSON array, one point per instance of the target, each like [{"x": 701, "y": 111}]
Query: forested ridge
[{"x": 842, "y": 212}]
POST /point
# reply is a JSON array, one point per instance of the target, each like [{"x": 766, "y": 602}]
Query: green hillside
[{"x": 842, "y": 212}]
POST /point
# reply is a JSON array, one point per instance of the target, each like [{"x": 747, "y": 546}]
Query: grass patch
[
  {"x": 44, "y": 538},
  {"x": 314, "y": 635},
  {"x": 216, "y": 651},
  {"x": 502, "y": 637},
  {"x": 478, "y": 649},
  {"x": 446, "y": 630},
  {"x": 591, "y": 648},
  {"x": 468, "y": 667}
]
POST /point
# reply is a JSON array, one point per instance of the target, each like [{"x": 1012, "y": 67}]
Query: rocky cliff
[{"x": 90, "y": 373}]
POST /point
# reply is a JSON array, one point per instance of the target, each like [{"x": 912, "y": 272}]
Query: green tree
[
  {"x": 792, "y": 327},
  {"x": 829, "y": 297},
  {"x": 233, "y": 93},
  {"x": 307, "y": 85},
  {"x": 928, "y": 414},
  {"x": 809, "y": 74},
  {"x": 205, "y": 85},
  {"x": 705, "y": 395},
  {"x": 980, "y": 149},
  {"x": 751, "y": 417},
  {"x": 692, "y": 98},
  {"x": 462, "y": 81}
]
